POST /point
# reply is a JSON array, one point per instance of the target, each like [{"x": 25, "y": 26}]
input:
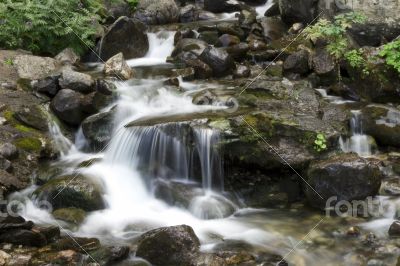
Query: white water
[
  {"x": 260, "y": 10},
  {"x": 358, "y": 142}
]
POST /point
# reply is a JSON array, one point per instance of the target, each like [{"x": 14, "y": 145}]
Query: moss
[
  {"x": 71, "y": 215},
  {"x": 24, "y": 129},
  {"x": 9, "y": 115},
  {"x": 29, "y": 144}
]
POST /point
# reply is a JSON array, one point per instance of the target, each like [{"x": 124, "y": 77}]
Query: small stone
[
  {"x": 353, "y": 231},
  {"x": 394, "y": 230}
]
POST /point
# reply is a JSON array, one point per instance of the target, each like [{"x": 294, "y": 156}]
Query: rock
[
  {"x": 238, "y": 51},
  {"x": 206, "y": 15},
  {"x": 273, "y": 29},
  {"x": 293, "y": 11},
  {"x": 105, "y": 87},
  {"x": 193, "y": 45},
  {"x": 297, "y": 63},
  {"x": 76, "y": 81},
  {"x": 374, "y": 32},
  {"x": 4, "y": 258},
  {"x": 228, "y": 40},
  {"x": 344, "y": 91},
  {"x": 93, "y": 102},
  {"x": 346, "y": 177},
  {"x": 390, "y": 187},
  {"x": 383, "y": 123},
  {"x": 187, "y": 74},
  {"x": 394, "y": 230},
  {"x": 210, "y": 37},
  {"x": 188, "y": 13},
  {"x": 219, "y": 60},
  {"x": 201, "y": 69},
  {"x": 23, "y": 237},
  {"x": 8, "y": 151},
  {"x": 76, "y": 244},
  {"x": 221, "y": 6},
  {"x": 98, "y": 128},
  {"x": 116, "y": 66},
  {"x": 175, "y": 245},
  {"x": 273, "y": 10},
  {"x": 247, "y": 18},
  {"x": 51, "y": 233},
  {"x": 257, "y": 45},
  {"x": 116, "y": 9},
  {"x": 5, "y": 164},
  {"x": 70, "y": 215},
  {"x": 72, "y": 191},
  {"x": 296, "y": 28},
  {"x": 67, "y": 105},
  {"x": 34, "y": 67},
  {"x": 9, "y": 183},
  {"x": 231, "y": 28},
  {"x": 32, "y": 116},
  {"x": 353, "y": 231},
  {"x": 67, "y": 57},
  {"x": 135, "y": 44},
  {"x": 157, "y": 12},
  {"x": 324, "y": 66},
  {"x": 48, "y": 85},
  {"x": 211, "y": 206},
  {"x": 110, "y": 255},
  {"x": 176, "y": 193},
  {"x": 184, "y": 34},
  {"x": 241, "y": 71}
]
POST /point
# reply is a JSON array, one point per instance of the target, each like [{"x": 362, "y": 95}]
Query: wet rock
[
  {"x": 105, "y": 87},
  {"x": 391, "y": 187},
  {"x": 210, "y": 37},
  {"x": 76, "y": 244},
  {"x": 201, "y": 69},
  {"x": 14, "y": 222},
  {"x": 228, "y": 40},
  {"x": 206, "y": 15},
  {"x": 324, "y": 66},
  {"x": 238, "y": 51},
  {"x": 241, "y": 71},
  {"x": 374, "y": 32},
  {"x": 157, "y": 12},
  {"x": 116, "y": 66},
  {"x": 34, "y": 67},
  {"x": 93, "y": 102},
  {"x": 176, "y": 193},
  {"x": 136, "y": 43},
  {"x": 67, "y": 105},
  {"x": 116, "y": 9},
  {"x": 188, "y": 13},
  {"x": 383, "y": 123},
  {"x": 247, "y": 18},
  {"x": 110, "y": 255},
  {"x": 8, "y": 151},
  {"x": 221, "y": 6},
  {"x": 70, "y": 215},
  {"x": 297, "y": 63},
  {"x": 296, "y": 11},
  {"x": 5, "y": 164},
  {"x": 187, "y": 74},
  {"x": 48, "y": 85},
  {"x": 76, "y": 81},
  {"x": 175, "y": 245},
  {"x": 343, "y": 177},
  {"x": 192, "y": 45},
  {"x": 273, "y": 10},
  {"x": 23, "y": 237},
  {"x": 32, "y": 116},
  {"x": 184, "y": 34},
  {"x": 231, "y": 28},
  {"x": 219, "y": 60},
  {"x": 344, "y": 91},
  {"x": 98, "y": 128},
  {"x": 394, "y": 230},
  {"x": 211, "y": 206},
  {"x": 67, "y": 57},
  {"x": 72, "y": 191},
  {"x": 51, "y": 233},
  {"x": 353, "y": 231}
]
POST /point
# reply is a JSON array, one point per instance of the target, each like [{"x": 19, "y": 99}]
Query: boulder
[
  {"x": 232, "y": 28},
  {"x": 116, "y": 66},
  {"x": 67, "y": 105},
  {"x": 383, "y": 123},
  {"x": 293, "y": 11},
  {"x": 93, "y": 102},
  {"x": 70, "y": 215},
  {"x": 219, "y": 60},
  {"x": 8, "y": 151},
  {"x": 201, "y": 69},
  {"x": 394, "y": 229},
  {"x": 23, "y": 237},
  {"x": 238, "y": 51},
  {"x": 5, "y": 164},
  {"x": 187, "y": 44},
  {"x": 247, "y": 18},
  {"x": 9, "y": 183},
  {"x": 297, "y": 63},
  {"x": 188, "y": 13},
  {"x": 34, "y": 67},
  {"x": 67, "y": 57},
  {"x": 76, "y": 81},
  {"x": 97, "y": 129},
  {"x": 75, "y": 191},
  {"x": 221, "y": 6},
  {"x": 175, "y": 245},
  {"x": 374, "y": 32},
  {"x": 133, "y": 32},
  {"x": 228, "y": 40},
  {"x": 241, "y": 71},
  {"x": 176, "y": 193},
  {"x": 48, "y": 85},
  {"x": 347, "y": 177},
  {"x": 210, "y": 37},
  {"x": 105, "y": 87},
  {"x": 273, "y": 10},
  {"x": 32, "y": 116},
  {"x": 324, "y": 66},
  {"x": 157, "y": 12}
]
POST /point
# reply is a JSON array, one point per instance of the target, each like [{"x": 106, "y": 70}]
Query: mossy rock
[
  {"x": 29, "y": 144},
  {"x": 70, "y": 215},
  {"x": 76, "y": 191}
]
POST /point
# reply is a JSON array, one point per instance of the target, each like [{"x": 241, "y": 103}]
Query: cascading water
[{"x": 358, "y": 142}]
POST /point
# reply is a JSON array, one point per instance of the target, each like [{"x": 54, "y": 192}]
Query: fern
[{"x": 391, "y": 53}]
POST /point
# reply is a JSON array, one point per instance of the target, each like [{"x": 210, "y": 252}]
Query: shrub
[
  {"x": 320, "y": 143},
  {"x": 48, "y": 26},
  {"x": 391, "y": 53}
]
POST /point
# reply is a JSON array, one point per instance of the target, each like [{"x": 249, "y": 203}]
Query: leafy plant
[
  {"x": 320, "y": 143},
  {"x": 133, "y": 4},
  {"x": 391, "y": 53},
  {"x": 9, "y": 62},
  {"x": 46, "y": 27}
]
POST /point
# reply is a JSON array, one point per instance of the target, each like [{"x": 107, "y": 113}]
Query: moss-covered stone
[
  {"x": 29, "y": 144},
  {"x": 70, "y": 215}
]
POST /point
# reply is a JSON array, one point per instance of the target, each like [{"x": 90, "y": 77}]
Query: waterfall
[
  {"x": 260, "y": 10},
  {"x": 358, "y": 142}
]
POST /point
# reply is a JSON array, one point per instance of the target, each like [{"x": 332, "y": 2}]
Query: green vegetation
[
  {"x": 9, "y": 62},
  {"x": 133, "y": 4},
  {"x": 29, "y": 144},
  {"x": 47, "y": 27},
  {"x": 391, "y": 53},
  {"x": 320, "y": 143}
]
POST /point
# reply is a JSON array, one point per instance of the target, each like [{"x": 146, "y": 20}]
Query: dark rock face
[
  {"x": 383, "y": 123},
  {"x": 228, "y": 40},
  {"x": 154, "y": 12},
  {"x": 67, "y": 105},
  {"x": 324, "y": 66},
  {"x": 176, "y": 193},
  {"x": 78, "y": 192},
  {"x": 175, "y": 245},
  {"x": 293, "y": 11},
  {"x": 374, "y": 33},
  {"x": 219, "y": 6},
  {"x": 48, "y": 85},
  {"x": 201, "y": 69},
  {"x": 188, "y": 13},
  {"x": 297, "y": 63},
  {"x": 347, "y": 177},
  {"x": 23, "y": 237},
  {"x": 98, "y": 129},
  {"x": 136, "y": 43},
  {"x": 219, "y": 60},
  {"x": 76, "y": 81}
]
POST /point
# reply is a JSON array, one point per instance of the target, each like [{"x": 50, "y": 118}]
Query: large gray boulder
[
  {"x": 345, "y": 177},
  {"x": 67, "y": 105},
  {"x": 156, "y": 12},
  {"x": 133, "y": 33},
  {"x": 175, "y": 245},
  {"x": 34, "y": 67},
  {"x": 98, "y": 129},
  {"x": 219, "y": 60},
  {"x": 76, "y": 81}
]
